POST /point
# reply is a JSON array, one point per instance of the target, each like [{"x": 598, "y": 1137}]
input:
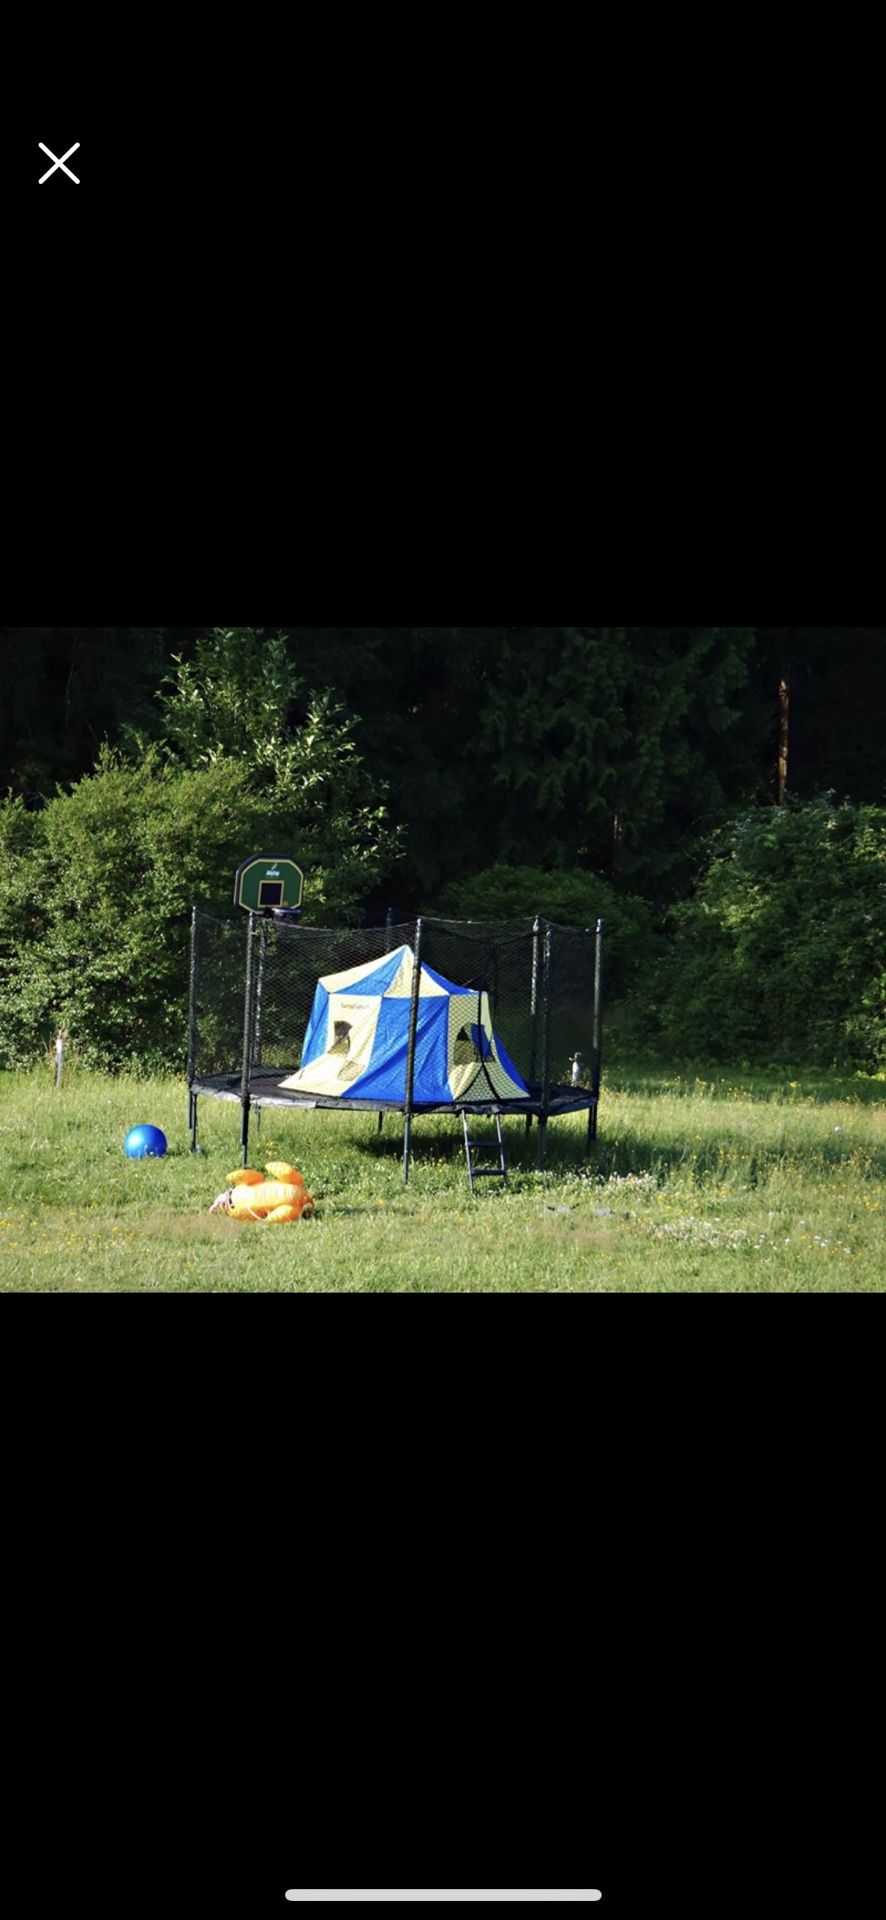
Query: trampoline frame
[{"x": 259, "y": 1086}]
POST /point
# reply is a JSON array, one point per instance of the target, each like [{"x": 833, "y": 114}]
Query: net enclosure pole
[
  {"x": 247, "y": 1040},
  {"x": 256, "y": 1048},
  {"x": 545, "y": 1031},
  {"x": 597, "y": 1032},
  {"x": 259, "y": 988},
  {"x": 192, "y": 1033},
  {"x": 533, "y": 1007},
  {"x": 410, "y": 1051}
]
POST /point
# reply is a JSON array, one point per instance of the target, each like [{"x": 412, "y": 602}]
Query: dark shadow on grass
[
  {"x": 568, "y": 1151},
  {"x": 793, "y": 1086},
  {"x": 372, "y": 1208}
]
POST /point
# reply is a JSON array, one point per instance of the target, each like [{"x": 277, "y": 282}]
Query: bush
[
  {"x": 572, "y": 899},
  {"x": 96, "y": 891},
  {"x": 779, "y": 956}
]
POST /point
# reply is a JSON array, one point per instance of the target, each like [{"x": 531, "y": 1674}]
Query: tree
[
  {"x": 65, "y": 690},
  {"x": 693, "y": 747},
  {"x": 420, "y": 693},
  {"x": 554, "y": 733},
  {"x": 611, "y": 747},
  {"x": 835, "y": 684},
  {"x": 241, "y": 698}
]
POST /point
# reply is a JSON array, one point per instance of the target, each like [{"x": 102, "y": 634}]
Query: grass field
[{"x": 733, "y": 1183}]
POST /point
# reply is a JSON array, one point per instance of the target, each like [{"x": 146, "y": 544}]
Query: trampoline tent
[
  {"x": 357, "y": 1040},
  {"x": 371, "y": 1019}
]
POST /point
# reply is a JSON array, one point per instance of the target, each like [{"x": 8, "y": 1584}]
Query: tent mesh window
[
  {"x": 253, "y": 983},
  {"x": 341, "y": 1043},
  {"x": 487, "y": 957},
  {"x": 466, "y": 1047}
]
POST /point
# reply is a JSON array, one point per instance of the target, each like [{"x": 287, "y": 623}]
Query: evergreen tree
[
  {"x": 611, "y": 747},
  {"x": 554, "y": 733},
  {"x": 419, "y": 692},
  {"x": 65, "y": 690},
  {"x": 835, "y": 697},
  {"x": 693, "y": 746}
]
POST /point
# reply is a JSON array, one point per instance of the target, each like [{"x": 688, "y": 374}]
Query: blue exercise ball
[{"x": 141, "y": 1141}]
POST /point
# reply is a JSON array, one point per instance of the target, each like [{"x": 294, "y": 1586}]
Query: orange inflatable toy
[{"x": 252, "y": 1196}]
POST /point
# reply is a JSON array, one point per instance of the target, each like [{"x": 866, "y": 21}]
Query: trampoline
[{"x": 256, "y": 1007}]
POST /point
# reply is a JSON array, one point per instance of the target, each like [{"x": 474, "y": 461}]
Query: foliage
[
  {"x": 836, "y": 677},
  {"x": 553, "y": 729},
  {"x": 399, "y": 764},
  {"x": 779, "y": 954},
  {"x": 240, "y": 697},
  {"x": 609, "y": 747},
  {"x": 419, "y": 692},
  {"x": 600, "y": 747},
  {"x": 605, "y": 745},
  {"x": 65, "y": 690},
  {"x": 234, "y": 696},
  {"x": 96, "y": 891},
  {"x": 575, "y": 899}
]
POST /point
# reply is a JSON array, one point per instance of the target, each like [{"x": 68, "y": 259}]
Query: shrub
[
  {"x": 573, "y": 898},
  {"x": 779, "y": 956},
  {"x": 96, "y": 891}
]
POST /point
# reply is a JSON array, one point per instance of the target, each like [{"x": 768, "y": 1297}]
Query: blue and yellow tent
[{"x": 357, "y": 1039}]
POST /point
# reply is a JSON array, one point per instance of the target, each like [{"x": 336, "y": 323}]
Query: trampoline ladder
[{"x": 496, "y": 1146}]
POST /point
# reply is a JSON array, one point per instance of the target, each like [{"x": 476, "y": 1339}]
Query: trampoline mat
[{"x": 265, "y": 1091}]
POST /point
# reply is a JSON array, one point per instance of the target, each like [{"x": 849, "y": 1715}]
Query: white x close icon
[{"x": 59, "y": 163}]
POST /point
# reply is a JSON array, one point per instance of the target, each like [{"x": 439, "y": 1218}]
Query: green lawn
[{"x": 732, "y": 1183}]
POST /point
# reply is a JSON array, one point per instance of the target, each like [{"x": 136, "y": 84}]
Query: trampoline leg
[
  {"x": 542, "y": 1138},
  {"x": 192, "y": 1119},
  {"x": 528, "y": 1123},
  {"x": 244, "y": 1131},
  {"x": 407, "y": 1130},
  {"x": 381, "y": 1120},
  {"x": 592, "y": 1124}
]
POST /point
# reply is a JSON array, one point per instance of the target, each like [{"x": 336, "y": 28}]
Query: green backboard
[{"x": 262, "y": 883}]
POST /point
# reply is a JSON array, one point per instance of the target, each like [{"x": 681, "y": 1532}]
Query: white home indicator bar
[{"x": 591, "y": 1893}]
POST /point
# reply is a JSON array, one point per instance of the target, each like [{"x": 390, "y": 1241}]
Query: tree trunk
[{"x": 784, "y": 737}]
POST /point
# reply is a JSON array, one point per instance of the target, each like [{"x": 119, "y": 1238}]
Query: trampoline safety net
[{"x": 253, "y": 985}]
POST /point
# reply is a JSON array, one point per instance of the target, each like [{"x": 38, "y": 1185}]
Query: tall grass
[{"x": 727, "y": 1183}]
